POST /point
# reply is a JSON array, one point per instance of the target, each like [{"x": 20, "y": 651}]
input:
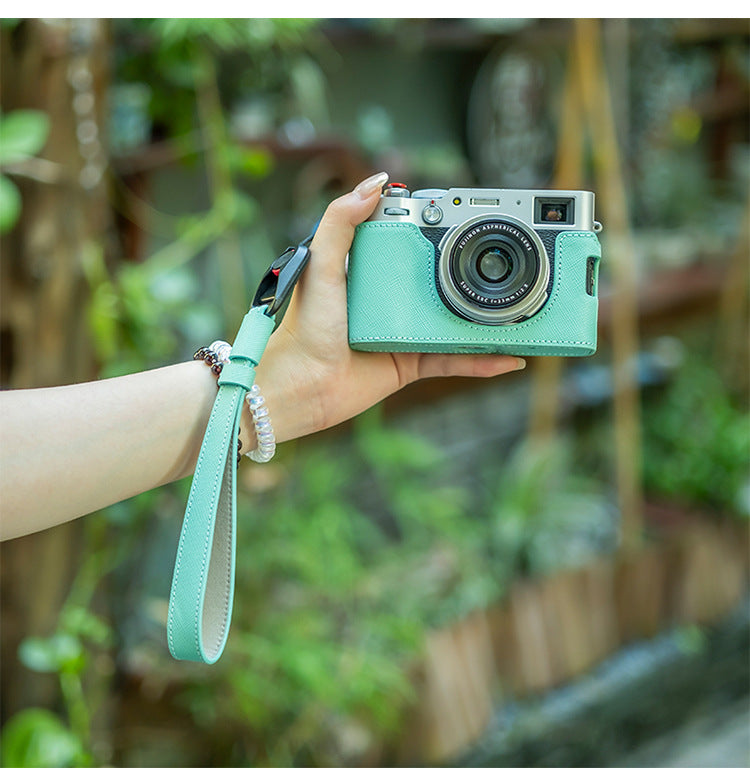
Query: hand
[{"x": 309, "y": 375}]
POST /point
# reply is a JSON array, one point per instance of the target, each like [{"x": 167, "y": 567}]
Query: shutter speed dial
[{"x": 396, "y": 189}]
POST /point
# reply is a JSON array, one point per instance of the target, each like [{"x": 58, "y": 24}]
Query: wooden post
[
  {"x": 620, "y": 256},
  {"x": 587, "y": 109},
  {"x": 731, "y": 347},
  {"x": 46, "y": 65},
  {"x": 547, "y": 371}
]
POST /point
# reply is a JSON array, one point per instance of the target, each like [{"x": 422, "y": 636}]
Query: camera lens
[
  {"x": 493, "y": 264},
  {"x": 493, "y": 270}
]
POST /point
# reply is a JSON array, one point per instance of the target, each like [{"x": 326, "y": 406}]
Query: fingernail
[
  {"x": 521, "y": 363},
  {"x": 367, "y": 187}
]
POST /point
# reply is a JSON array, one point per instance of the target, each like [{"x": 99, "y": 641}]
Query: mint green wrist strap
[{"x": 200, "y": 603}]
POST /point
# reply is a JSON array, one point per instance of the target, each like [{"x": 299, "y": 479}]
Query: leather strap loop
[
  {"x": 200, "y": 601},
  {"x": 237, "y": 373},
  {"x": 252, "y": 336}
]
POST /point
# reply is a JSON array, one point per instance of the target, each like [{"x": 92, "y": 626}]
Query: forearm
[{"x": 67, "y": 451}]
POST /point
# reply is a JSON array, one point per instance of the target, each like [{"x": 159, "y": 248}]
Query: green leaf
[
  {"x": 175, "y": 286},
  {"x": 690, "y": 639},
  {"x": 79, "y": 621},
  {"x": 59, "y": 653},
  {"x": 38, "y": 738},
  {"x": 10, "y": 204},
  {"x": 22, "y": 134},
  {"x": 251, "y": 161}
]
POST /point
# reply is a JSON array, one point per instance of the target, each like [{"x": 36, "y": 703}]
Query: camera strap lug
[{"x": 279, "y": 280}]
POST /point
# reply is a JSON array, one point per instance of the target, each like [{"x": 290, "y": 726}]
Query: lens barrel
[{"x": 493, "y": 270}]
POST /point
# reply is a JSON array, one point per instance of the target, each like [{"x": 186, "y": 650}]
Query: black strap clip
[{"x": 281, "y": 277}]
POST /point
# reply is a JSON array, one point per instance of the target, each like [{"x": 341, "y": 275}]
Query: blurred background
[{"x": 546, "y": 569}]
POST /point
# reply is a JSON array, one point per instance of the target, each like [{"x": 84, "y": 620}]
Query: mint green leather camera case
[{"x": 394, "y": 305}]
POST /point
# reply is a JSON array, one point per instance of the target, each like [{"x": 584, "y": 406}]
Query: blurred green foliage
[
  {"x": 37, "y": 738},
  {"x": 171, "y": 56},
  {"x": 82, "y": 640},
  {"x": 697, "y": 442},
  {"x": 346, "y": 564},
  {"x": 548, "y": 515},
  {"x": 141, "y": 314},
  {"x": 23, "y": 134},
  {"x": 327, "y": 614}
]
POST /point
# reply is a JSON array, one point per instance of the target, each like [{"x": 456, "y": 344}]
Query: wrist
[
  {"x": 289, "y": 387},
  {"x": 291, "y": 396}
]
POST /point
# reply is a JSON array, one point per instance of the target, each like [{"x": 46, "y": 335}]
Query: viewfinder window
[{"x": 550, "y": 210}]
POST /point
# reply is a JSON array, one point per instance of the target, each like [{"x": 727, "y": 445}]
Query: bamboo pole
[
  {"x": 620, "y": 256},
  {"x": 732, "y": 347},
  {"x": 547, "y": 371},
  {"x": 587, "y": 107}
]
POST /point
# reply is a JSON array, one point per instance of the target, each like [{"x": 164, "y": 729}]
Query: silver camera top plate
[{"x": 536, "y": 208}]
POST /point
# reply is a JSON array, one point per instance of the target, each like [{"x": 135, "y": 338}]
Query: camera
[{"x": 476, "y": 270}]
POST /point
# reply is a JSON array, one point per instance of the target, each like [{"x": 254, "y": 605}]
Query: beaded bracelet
[
  {"x": 266, "y": 447},
  {"x": 215, "y": 356}
]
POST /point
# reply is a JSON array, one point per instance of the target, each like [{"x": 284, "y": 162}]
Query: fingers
[
  {"x": 336, "y": 229},
  {"x": 467, "y": 365}
]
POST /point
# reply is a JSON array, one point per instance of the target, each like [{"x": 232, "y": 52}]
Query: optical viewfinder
[{"x": 549, "y": 210}]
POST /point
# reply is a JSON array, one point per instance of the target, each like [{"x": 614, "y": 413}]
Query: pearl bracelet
[{"x": 266, "y": 447}]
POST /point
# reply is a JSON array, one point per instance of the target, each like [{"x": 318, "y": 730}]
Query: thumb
[{"x": 335, "y": 233}]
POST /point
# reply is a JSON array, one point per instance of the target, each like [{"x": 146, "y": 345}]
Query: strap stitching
[
  {"x": 211, "y": 427},
  {"x": 237, "y": 394},
  {"x": 198, "y": 622},
  {"x": 228, "y": 585}
]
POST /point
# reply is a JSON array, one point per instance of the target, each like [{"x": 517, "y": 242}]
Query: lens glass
[{"x": 494, "y": 264}]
